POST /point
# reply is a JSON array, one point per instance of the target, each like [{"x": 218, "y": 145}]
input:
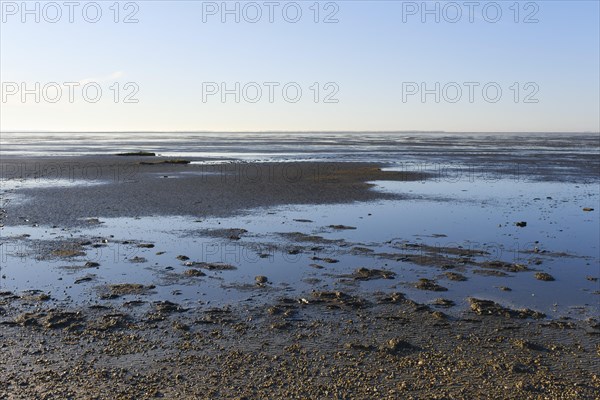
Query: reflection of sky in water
[
  {"x": 477, "y": 210},
  {"x": 9, "y": 187},
  {"x": 35, "y": 183},
  {"x": 478, "y": 215}
]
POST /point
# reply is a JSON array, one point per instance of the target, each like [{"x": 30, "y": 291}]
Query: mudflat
[
  {"x": 133, "y": 339},
  {"x": 142, "y": 186},
  {"x": 329, "y": 345}
]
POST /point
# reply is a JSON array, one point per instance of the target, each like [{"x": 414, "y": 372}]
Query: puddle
[
  {"x": 10, "y": 188},
  {"x": 40, "y": 183}
]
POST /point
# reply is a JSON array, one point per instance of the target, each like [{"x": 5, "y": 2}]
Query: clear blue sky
[{"x": 371, "y": 54}]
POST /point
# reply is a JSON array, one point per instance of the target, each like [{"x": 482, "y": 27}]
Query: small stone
[
  {"x": 543, "y": 276},
  {"x": 521, "y": 224},
  {"x": 342, "y": 227},
  {"x": 91, "y": 264},
  {"x": 260, "y": 279}
]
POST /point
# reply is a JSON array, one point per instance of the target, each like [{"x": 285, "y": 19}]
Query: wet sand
[
  {"x": 129, "y": 187},
  {"x": 324, "y": 344}
]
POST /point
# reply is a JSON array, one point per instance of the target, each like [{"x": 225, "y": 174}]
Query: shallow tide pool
[{"x": 301, "y": 248}]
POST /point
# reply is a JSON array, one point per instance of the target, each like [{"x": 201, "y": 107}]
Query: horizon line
[{"x": 286, "y": 131}]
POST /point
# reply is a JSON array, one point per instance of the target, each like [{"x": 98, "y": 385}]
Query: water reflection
[{"x": 288, "y": 245}]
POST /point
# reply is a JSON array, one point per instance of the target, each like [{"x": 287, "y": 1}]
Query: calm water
[
  {"x": 542, "y": 156},
  {"x": 352, "y": 146},
  {"x": 474, "y": 215}
]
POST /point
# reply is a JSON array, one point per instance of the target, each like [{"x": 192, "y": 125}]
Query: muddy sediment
[
  {"x": 358, "y": 348},
  {"x": 123, "y": 187},
  {"x": 336, "y": 342}
]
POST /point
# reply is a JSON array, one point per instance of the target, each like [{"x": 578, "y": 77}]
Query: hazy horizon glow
[{"x": 362, "y": 66}]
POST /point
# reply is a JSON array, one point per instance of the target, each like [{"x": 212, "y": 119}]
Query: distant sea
[{"x": 388, "y": 147}]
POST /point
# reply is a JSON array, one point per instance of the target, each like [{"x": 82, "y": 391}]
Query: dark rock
[
  {"x": 342, "y": 227},
  {"x": 137, "y": 153}
]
